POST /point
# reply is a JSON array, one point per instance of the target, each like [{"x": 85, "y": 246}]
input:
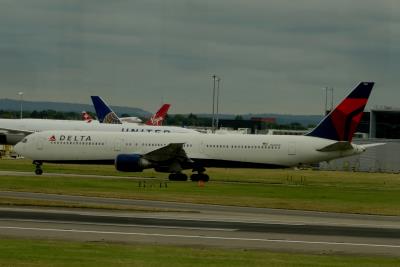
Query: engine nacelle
[
  {"x": 10, "y": 139},
  {"x": 131, "y": 163}
]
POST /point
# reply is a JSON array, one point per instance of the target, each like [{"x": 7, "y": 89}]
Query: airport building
[
  {"x": 385, "y": 123},
  {"x": 381, "y": 122},
  {"x": 383, "y": 158},
  {"x": 380, "y": 125}
]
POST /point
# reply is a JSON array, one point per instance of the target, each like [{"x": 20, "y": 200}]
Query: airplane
[
  {"x": 86, "y": 117},
  {"x": 158, "y": 118},
  {"x": 173, "y": 153},
  {"x": 104, "y": 113},
  {"x": 13, "y": 131},
  {"x": 107, "y": 115}
]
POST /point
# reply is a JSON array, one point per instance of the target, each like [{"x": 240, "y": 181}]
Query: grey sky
[{"x": 272, "y": 56}]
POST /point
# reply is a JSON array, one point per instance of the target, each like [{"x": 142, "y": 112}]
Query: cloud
[{"x": 272, "y": 56}]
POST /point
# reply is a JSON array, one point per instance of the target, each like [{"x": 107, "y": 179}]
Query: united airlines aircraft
[{"x": 107, "y": 115}]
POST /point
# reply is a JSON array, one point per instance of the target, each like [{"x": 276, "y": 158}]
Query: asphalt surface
[
  {"x": 52, "y": 174},
  {"x": 205, "y": 225}
]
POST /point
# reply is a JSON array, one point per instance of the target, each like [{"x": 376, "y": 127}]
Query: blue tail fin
[
  {"x": 104, "y": 113},
  {"x": 341, "y": 123}
]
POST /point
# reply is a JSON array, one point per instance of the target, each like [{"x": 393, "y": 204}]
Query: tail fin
[
  {"x": 341, "y": 123},
  {"x": 86, "y": 117},
  {"x": 158, "y": 118},
  {"x": 104, "y": 113}
]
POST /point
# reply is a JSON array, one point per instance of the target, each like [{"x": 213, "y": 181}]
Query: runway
[
  {"x": 205, "y": 225},
  {"x": 52, "y": 174}
]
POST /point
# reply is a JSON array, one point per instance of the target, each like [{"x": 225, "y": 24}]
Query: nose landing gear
[{"x": 38, "y": 169}]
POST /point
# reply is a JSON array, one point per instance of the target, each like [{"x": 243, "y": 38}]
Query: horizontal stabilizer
[
  {"x": 338, "y": 146},
  {"x": 372, "y": 145}
]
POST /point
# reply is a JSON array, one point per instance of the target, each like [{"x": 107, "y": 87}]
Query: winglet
[
  {"x": 158, "y": 118},
  {"x": 104, "y": 112},
  {"x": 341, "y": 123}
]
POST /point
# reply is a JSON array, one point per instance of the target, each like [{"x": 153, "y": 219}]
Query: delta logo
[{"x": 71, "y": 138}]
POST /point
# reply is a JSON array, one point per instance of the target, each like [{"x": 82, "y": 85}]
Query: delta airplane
[
  {"x": 173, "y": 153},
  {"x": 14, "y": 130},
  {"x": 106, "y": 115}
]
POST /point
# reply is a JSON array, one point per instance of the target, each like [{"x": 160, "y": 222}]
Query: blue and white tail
[{"x": 104, "y": 112}]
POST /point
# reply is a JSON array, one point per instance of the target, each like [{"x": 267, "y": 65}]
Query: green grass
[
  {"x": 26, "y": 252},
  {"x": 367, "y": 193}
]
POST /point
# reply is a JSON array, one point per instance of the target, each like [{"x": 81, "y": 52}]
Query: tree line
[{"x": 176, "y": 119}]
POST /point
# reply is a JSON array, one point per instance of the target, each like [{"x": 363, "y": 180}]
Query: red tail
[
  {"x": 86, "y": 117},
  {"x": 158, "y": 118}
]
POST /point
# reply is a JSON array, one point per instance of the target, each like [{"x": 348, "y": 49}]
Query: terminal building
[{"x": 380, "y": 125}]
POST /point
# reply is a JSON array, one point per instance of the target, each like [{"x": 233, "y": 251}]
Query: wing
[
  {"x": 170, "y": 158},
  {"x": 173, "y": 151}
]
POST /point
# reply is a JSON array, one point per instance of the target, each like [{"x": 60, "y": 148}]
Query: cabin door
[
  {"x": 118, "y": 145},
  {"x": 292, "y": 149}
]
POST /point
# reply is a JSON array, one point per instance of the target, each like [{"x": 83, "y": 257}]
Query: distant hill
[
  {"x": 14, "y": 105},
  {"x": 10, "y": 104}
]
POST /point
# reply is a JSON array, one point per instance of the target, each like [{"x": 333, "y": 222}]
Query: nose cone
[{"x": 19, "y": 148}]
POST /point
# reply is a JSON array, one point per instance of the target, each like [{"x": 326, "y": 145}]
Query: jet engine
[
  {"x": 131, "y": 163},
  {"x": 10, "y": 139}
]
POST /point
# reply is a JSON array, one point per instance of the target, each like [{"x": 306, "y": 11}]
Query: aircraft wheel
[
  {"x": 195, "y": 177},
  {"x": 38, "y": 171},
  {"x": 182, "y": 177},
  {"x": 204, "y": 178},
  {"x": 199, "y": 177}
]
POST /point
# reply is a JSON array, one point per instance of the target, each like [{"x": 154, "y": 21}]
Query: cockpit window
[{"x": 24, "y": 140}]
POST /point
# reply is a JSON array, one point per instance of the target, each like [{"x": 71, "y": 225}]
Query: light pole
[
  {"x": 213, "y": 105},
  {"x": 326, "y": 100},
  {"x": 326, "y": 89},
  {"x": 21, "y": 97},
  {"x": 217, "y": 109}
]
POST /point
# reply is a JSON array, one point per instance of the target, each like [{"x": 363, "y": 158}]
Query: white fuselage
[
  {"x": 217, "y": 150},
  {"x": 8, "y": 126}
]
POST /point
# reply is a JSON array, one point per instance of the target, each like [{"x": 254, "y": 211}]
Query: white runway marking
[
  {"x": 202, "y": 237},
  {"x": 125, "y": 225}
]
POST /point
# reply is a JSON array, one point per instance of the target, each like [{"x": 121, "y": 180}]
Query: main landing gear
[
  {"x": 199, "y": 177},
  {"x": 38, "y": 169},
  {"x": 194, "y": 177}
]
